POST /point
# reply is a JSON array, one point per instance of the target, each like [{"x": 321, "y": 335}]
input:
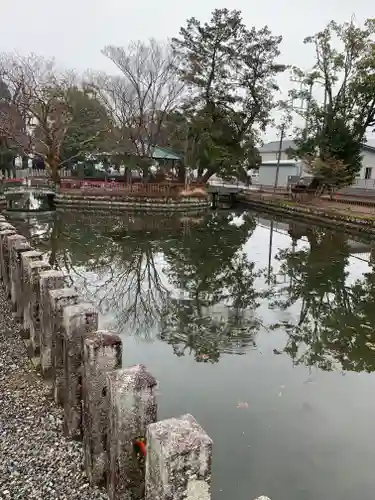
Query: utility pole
[
  {"x": 282, "y": 133},
  {"x": 270, "y": 254}
]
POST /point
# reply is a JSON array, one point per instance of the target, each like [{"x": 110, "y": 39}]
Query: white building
[{"x": 292, "y": 168}]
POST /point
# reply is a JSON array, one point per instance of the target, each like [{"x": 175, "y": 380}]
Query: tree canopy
[
  {"x": 209, "y": 94},
  {"x": 89, "y": 130},
  {"x": 344, "y": 71},
  {"x": 230, "y": 71}
]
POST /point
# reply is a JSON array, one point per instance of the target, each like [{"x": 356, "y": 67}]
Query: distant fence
[
  {"x": 112, "y": 188},
  {"x": 21, "y": 184},
  {"x": 364, "y": 183},
  {"x": 112, "y": 409},
  {"x": 32, "y": 172}
]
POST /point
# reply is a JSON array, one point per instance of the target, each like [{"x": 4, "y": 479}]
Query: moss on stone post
[
  {"x": 178, "y": 464},
  {"x": 4, "y": 258},
  {"x": 78, "y": 321},
  {"x": 48, "y": 280},
  {"x": 58, "y": 300},
  {"x": 132, "y": 407},
  {"x": 26, "y": 258},
  {"x": 17, "y": 248},
  {"x": 33, "y": 270},
  {"x": 102, "y": 352}
]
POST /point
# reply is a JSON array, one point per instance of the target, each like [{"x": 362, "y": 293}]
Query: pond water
[{"x": 262, "y": 329}]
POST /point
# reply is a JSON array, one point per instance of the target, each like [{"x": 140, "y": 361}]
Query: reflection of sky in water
[{"x": 305, "y": 433}]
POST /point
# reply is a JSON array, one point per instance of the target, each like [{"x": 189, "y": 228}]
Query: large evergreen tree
[{"x": 231, "y": 72}]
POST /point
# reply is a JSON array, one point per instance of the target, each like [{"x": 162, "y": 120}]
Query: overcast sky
[{"x": 75, "y": 31}]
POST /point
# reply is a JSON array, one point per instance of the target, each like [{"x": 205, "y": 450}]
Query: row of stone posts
[{"x": 109, "y": 407}]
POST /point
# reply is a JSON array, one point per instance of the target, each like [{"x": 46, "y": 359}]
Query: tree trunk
[
  {"x": 25, "y": 162},
  {"x": 54, "y": 169},
  {"x": 181, "y": 171}
]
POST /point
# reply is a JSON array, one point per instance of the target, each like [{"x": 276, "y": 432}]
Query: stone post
[
  {"x": 132, "y": 407},
  {"x": 58, "y": 300},
  {"x": 10, "y": 241},
  {"x": 178, "y": 463},
  {"x": 17, "y": 249},
  {"x": 25, "y": 296},
  {"x": 78, "y": 321},
  {"x": 4, "y": 233},
  {"x": 5, "y": 225},
  {"x": 33, "y": 270},
  {"x": 48, "y": 280},
  {"x": 102, "y": 352}
]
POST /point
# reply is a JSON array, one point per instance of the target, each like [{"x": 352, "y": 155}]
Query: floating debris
[
  {"x": 242, "y": 404},
  {"x": 203, "y": 356},
  {"x": 310, "y": 380},
  {"x": 370, "y": 346}
]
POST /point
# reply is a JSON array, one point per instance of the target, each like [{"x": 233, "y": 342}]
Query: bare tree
[
  {"x": 41, "y": 107},
  {"x": 140, "y": 99}
]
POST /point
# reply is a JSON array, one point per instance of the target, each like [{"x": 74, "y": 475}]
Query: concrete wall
[
  {"x": 111, "y": 408},
  {"x": 267, "y": 174}
]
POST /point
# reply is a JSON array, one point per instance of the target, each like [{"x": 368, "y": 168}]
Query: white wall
[
  {"x": 273, "y": 156},
  {"x": 267, "y": 174},
  {"x": 368, "y": 160}
]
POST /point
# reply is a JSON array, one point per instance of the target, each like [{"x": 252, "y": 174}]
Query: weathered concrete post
[
  {"x": 178, "y": 463},
  {"x": 78, "y": 321},
  {"x": 34, "y": 268},
  {"x": 25, "y": 297},
  {"x": 132, "y": 407},
  {"x": 58, "y": 300},
  {"x": 102, "y": 352},
  {"x": 11, "y": 241},
  {"x": 49, "y": 280},
  {"x": 4, "y": 233},
  {"x": 17, "y": 249}
]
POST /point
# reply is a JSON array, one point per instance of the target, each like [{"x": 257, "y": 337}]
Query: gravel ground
[{"x": 36, "y": 461}]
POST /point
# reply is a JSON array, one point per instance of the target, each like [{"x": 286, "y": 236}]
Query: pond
[{"x": 263, "y": 329}]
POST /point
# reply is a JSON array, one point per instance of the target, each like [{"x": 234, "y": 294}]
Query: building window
[{"x": 368, "y": 173}]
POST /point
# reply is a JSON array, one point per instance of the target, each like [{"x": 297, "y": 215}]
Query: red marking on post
[{"x": 142, "y": 447}]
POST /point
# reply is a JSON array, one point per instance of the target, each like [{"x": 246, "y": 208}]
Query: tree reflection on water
[
  {"x": 185, "y": 280},
  {"x": 188, "y": 282},
  {"x": 215, "y": 312},
  {"x": 334, "y": 328}
]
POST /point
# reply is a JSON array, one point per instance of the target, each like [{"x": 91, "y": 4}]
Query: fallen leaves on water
[
  {"x": 203, "y": 356},
  {"x": 310, "y": 380},
  {"x": 370, "y": 346},
  {"x": 242, "y": 404}
]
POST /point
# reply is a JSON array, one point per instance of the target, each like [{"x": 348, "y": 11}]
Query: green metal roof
[{"x": 165, "y": 154}]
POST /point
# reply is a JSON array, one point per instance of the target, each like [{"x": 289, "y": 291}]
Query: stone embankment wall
[
  {"x": 109, "y": 407},
  {"x": 183, "y": 204},
  {"x": 349, "y": 223}
]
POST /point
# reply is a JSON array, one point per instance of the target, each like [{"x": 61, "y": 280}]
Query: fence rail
[
  {"x": 24, "y": 173},
  {"x": 113, "y": 188}
]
